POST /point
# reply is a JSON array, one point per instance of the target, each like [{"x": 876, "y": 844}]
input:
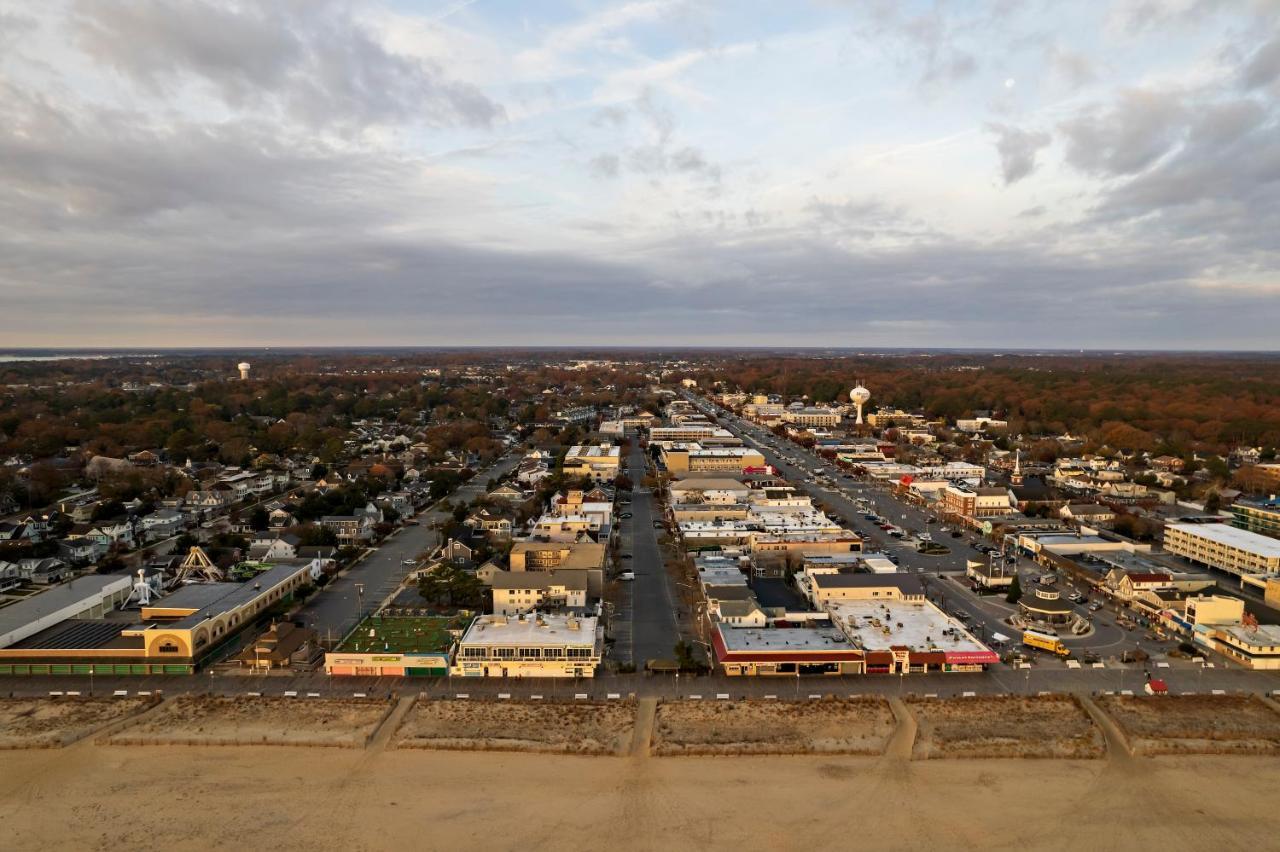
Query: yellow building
[
  {"x": 530, "y": 646},
  {"x": 586, "y": 557},
  {"x": 599, "y": 462},
  {"x": 694, "y": 458},
  {"x": 1224, "y": 547},
  {"x": 176, "y": 633}
]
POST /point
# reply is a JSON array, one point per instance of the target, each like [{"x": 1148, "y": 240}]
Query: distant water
[{"x": 70, "y": 356}]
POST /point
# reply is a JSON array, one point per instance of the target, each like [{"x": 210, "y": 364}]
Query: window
[
  {"x": 578, "y": 653},
  {"x": 473, "y": 652},
  {"x": 530, "y": 653},
  {"x": 504, "y": 653}
]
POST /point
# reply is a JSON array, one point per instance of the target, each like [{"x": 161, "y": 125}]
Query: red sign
[
  {"x": 765, "y": 469},
  {"x": 970, "y": 658},
  {"x": 907, "y": 479}
]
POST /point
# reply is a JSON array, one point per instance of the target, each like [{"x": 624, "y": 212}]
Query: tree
[
  {"x": 1015, "y": 591},
  {"x": 1213, "y": 502},
  {"x": 684, "y": 656},
  {"x": 451, "y": 586},
  {"x": 259, "y": 519}
]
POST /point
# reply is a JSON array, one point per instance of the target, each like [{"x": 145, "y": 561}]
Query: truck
[{"x": 1045, "y": 642}]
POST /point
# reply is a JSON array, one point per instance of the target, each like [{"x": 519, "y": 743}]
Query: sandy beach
[{"x": 175, "y": 798}]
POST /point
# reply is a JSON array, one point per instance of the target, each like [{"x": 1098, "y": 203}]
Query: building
[
  {"x": 784, "y": 651},
  {"x": 812, "y": 416},
  {"x": 583, "y": 556},
  {"x": 175, "y": 633},
  {"x": 1224, "y": 547},
  {"x": 283, "y": 646},
  {"x": 908, "y": 635},
  {"x": 982, "y": 502},
  {"x": 396, "y": 646},
  {"x": 1254, "y": 646},
  {"x": 1261, "y": 516},
  {"x": 536, "y": 645},
  {"x": 599, "y": 462},
  {"x": 980, "y": 424},
  {"x": 1087, "y": 513},
  {"x": 518, "y": 592},
  {"x": 88, "y": 597},
  {"x": 693, "y": 458},
  {"x": 896, "y": 418}
]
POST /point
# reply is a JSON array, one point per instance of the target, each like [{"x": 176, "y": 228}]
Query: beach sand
[{"x": 89, "y": 796}]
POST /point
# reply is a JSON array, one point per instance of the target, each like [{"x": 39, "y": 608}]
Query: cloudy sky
[{"x": 201, "y": 172}]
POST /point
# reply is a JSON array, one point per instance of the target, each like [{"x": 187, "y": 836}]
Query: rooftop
[
  {"x": 747, "y": 639},
  {"x": 532, "y": 631},
  {"x": 82, "y": 592},
  {"x": 879, "y": 625},
  {"x": 402, "y": 634},
  {"x": 1231, "y": 537}
]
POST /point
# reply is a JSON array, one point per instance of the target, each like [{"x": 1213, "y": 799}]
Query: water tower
[
  {"x": 244, "y": 371},
  {"x": 859, "y": 396}
]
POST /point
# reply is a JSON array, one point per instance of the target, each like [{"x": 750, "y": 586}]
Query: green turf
[{"x": 401, "y": 635}]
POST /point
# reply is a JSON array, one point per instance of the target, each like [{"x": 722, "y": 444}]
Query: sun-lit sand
[
  {"x": 96, "y": 795},
  {"x": 173, "y": 798}
]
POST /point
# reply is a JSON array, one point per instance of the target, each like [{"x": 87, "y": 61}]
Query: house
[
  {"x": 285, "y": 645},
  {"x": 79, "y": 551},
  {"x": 111, "y": 534},
  {"x": 162, "y": 524},
  {"x": 350, "y": 529},
  {"x": 745, "y": 613},
  {"x": 43, "y": 572},
  {"x": 279, "y": 518},
  {"x": 506, "y": 494},
  {"x": 1126, "y": 584},
  {"x": 495, "y": 525},
  {"x": 1087, "y": 513},
  {"x": 520, "y": 592},
  {"x": 268, "y": 547}
]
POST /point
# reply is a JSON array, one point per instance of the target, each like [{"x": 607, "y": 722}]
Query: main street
[
  {"x": 652, "y": 605},
  {"x": 364, "y": 587},
  {"x": 943, "y": 573}
]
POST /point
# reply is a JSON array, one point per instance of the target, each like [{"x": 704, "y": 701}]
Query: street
[
  {"x": 364, "y": 587},
  {"x": 650, "y": 616}
]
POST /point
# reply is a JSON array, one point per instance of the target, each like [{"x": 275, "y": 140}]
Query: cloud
[
  {"x": 605, "y": 165},
  {"x": 1133, "y": 133},
  {"x": 1017, "y": 149},
  {"x": 1263, "y": 67},
  {"x": 310, "y": 60}
]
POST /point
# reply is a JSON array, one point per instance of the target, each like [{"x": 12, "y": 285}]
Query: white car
[
  {"x": 409, "y": 562},
  {"x": 627, "y": 575}
]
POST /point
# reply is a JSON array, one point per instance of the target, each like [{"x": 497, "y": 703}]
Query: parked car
[
  {"x": 627, "y": 575},
  {"x": 626, "y": 556},
  {"x": 409, "y": 562},
  {"x": 625, "y": 515},
  {"x": 1095, "y": 606}
]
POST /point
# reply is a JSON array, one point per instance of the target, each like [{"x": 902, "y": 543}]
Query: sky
[{"x": 666, "y": 172}]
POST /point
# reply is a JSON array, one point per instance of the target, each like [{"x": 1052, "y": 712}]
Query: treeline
[{"x": 1163, "y": 403}]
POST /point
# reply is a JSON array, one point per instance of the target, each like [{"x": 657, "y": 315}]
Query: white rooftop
[
  {"x": 542, "y": 631},
  {"x": 1260, "y": 545},
  {"x": 877, "y": 625}
]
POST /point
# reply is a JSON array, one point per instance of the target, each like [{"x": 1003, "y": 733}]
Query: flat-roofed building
[
  {"x": 87, "y": 597},
  {"x": 812, "y": 416},
  {"x": 829, "y": 588},
  {"x": 1260, "y": 516},
  {"x": 599, "y": 462},
  {"x": 1224, "y": 547},
  {"x": 784, "y": 651},
  {"x": 679, "y": 457},
  {"x": 908, "y": 635},
  {"x": 534, "y": 645},
  {"x": 1255, "y": 646},
  {"x": 175, "y": 634},
  {"x": 896, "y": 417},
  {"x": 980, "y": 502}
]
